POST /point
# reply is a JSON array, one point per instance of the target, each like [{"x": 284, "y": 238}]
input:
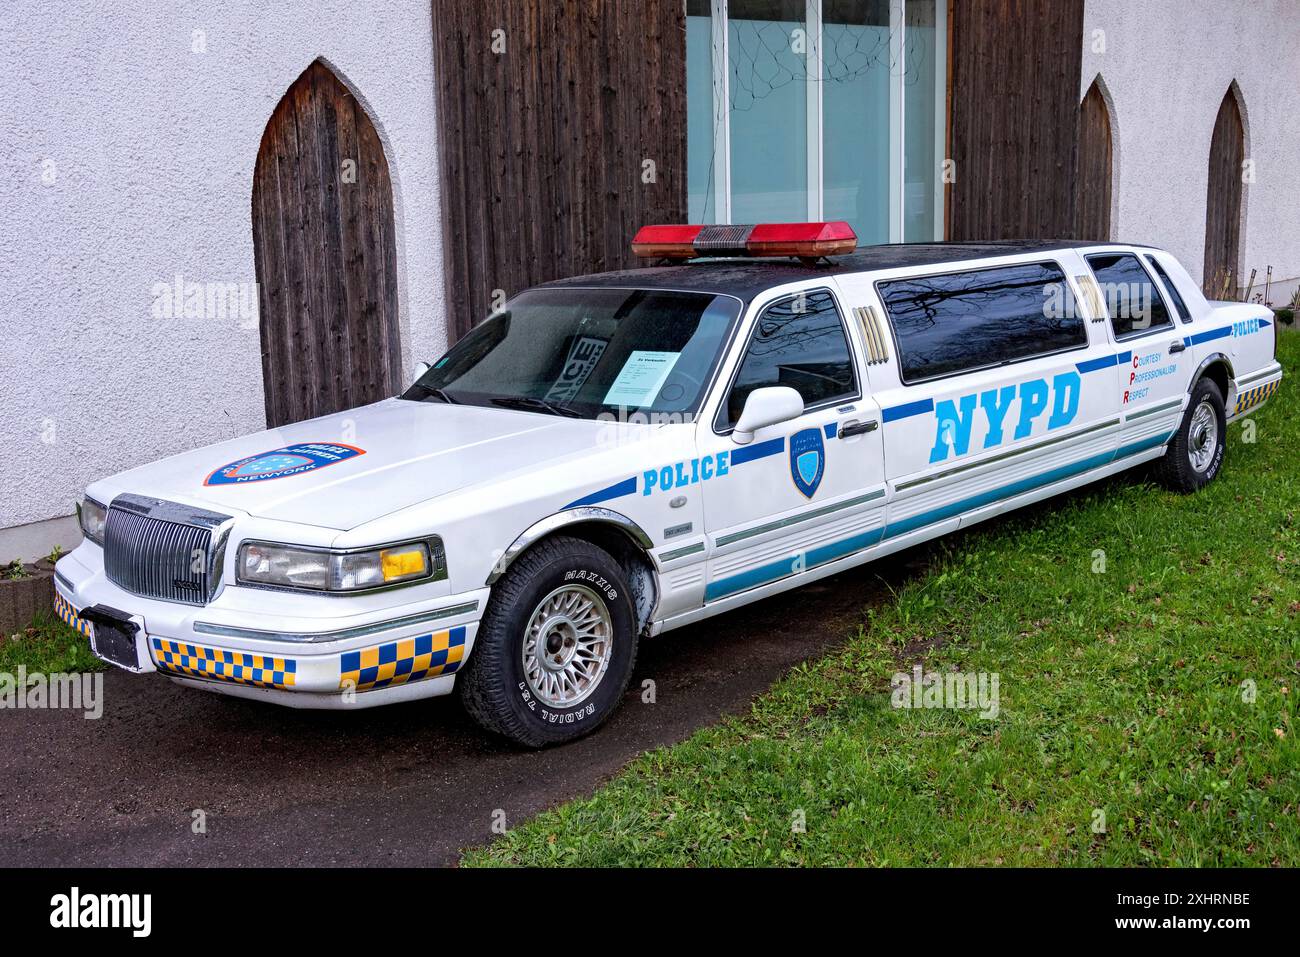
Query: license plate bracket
[{"x": 113, "y": 637}]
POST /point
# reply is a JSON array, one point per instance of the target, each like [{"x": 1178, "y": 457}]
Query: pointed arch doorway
[
  {"x": 1095, "y": 181},
  {"x": 1223, "y": 200},
  {"x": 325, "y": 250}
]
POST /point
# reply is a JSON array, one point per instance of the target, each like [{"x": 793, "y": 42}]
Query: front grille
[{"x": 162, "y": 549}]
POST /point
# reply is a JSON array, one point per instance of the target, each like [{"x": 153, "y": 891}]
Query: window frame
[
  {"x": 898, "y": 349},
  {"x": 1110, "y": 320},
  {"x": 725, "y": 394},
  {"x": 814, "y": 123},
  {"x": 1166, "y": 281}
]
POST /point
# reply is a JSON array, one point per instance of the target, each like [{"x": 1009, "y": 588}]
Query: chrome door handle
[{"x": 854, "y": 427}]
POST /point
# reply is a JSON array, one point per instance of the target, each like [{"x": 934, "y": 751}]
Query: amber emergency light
[{"x": 807, "y": 241}]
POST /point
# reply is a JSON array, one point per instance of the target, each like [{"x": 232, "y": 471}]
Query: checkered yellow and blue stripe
[
  {"x": 395, "y": 663},
  {"x": 1253, "y": 397},
  {"x": 197, "y": 661},
  {"x": 64, "y": 609}
]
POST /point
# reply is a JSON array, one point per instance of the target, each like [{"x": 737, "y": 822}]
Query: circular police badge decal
[{"x": 281, "y": 463}]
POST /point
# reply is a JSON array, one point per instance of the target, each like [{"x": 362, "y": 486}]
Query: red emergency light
[{"x": 807, "y": 241}]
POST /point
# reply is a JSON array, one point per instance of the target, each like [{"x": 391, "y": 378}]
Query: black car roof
[{"x": 746, "y": 278}]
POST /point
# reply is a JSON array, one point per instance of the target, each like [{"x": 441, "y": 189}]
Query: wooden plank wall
[
  {"x": 1015, "y": 102},
  {"x": 1093, "y": 179},
  {"x": 542, "y": 146},
  {"x": 1223, "y": 201},
  {"x": 325, "y": 251}
]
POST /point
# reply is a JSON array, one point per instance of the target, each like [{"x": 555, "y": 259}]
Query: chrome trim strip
[
  {"x": 1258, "y": 376},
  {"x": 677, "y": 553},
  {"x": 558, "y": 520},
  {"x": 1162, "y": 407},
  {"x": 1055, "y": 440},
  {"x": 65, "y": 582},
  {"x": 1205, "y": 364},
  {"x": 257, "y": 634},
  {"x": 796, "y": 519}
]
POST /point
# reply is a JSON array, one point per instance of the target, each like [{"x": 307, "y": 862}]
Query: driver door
[{"x": 804, "y": 492}]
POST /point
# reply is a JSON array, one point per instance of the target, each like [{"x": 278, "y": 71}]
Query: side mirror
[
  {"x": 764, "y": 407},
  {"x": 420, "y": 369}
]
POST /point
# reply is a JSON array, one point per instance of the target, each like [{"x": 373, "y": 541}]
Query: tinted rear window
[
  {"x": 985, "y": 317},
  {"x": 1131, "y": 297}
]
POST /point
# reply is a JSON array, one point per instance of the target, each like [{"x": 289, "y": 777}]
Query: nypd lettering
[
  {"x": 955, "y": 419},
  {"x": 689, "y": 472},
  {"x": 281, "y": 463}
]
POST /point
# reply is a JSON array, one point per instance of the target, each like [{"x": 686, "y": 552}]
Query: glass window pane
[
  {"x": 855, "y": 116},
  {"x": 797, "y": 342},
  {"x": 981, "y": 318},
  {"x": 923, "y": 97},
  {"x": 588, "y": 351},
  {"x": 1131, "y": 297},
  {"x": 700, "y": 134},
  {"x": 767, "y": 49},
  {"x": 1179, "y": 305}
]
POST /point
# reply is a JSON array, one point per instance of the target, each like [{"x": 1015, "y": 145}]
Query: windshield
[{"x": 587, "y": 353}]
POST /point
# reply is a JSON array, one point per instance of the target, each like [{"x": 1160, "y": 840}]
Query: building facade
[{"x": 224, "y": 217}]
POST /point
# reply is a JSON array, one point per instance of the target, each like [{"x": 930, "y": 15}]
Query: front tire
[
  {"x": 1195, "y": 454},
  {"x": 556, "y": 647}
]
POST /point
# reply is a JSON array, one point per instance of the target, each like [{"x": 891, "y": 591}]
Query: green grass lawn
[
  {"x": 48, "y": 646},
  {"x": 1124, "y": 693}
]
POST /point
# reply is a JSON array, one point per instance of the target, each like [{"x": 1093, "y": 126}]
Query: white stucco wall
[
  {"x": 128, "y": 159},
  {"x": 1167, "y": 64}
]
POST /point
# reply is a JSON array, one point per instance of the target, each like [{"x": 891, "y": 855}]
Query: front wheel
[
  {"x": 1195, "y": 453},
  {"x": 556, "y": 647}
]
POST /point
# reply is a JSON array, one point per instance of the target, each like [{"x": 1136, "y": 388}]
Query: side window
[
  {"x": 797, "y": 342},
  {"x": 1180, "y": 307},
  {"x": 1131, "y": 297},
  {"x": 979, "y": 318}
]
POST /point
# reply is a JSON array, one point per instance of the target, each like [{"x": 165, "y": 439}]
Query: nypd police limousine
[{"x": 613, "y": 456}]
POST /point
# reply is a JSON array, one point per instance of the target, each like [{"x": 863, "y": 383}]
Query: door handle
[
  {"x": 854, "y": 427},
  {"x": 1176, "y": 347}
]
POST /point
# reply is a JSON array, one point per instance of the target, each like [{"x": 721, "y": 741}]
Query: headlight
[
  {"x": 92, "y": 516},
  {"x": 322, "y": 569}
]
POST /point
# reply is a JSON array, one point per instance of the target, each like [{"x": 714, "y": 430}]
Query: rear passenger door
[
  {"x": 805, "y": 492},
  {"x": 1154, "y": 364},
  {"x": 989, "y": 395}
]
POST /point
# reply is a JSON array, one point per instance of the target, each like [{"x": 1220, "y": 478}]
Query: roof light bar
[{"x": 807, "y": 241}]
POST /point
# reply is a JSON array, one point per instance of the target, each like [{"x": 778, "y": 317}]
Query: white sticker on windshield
[{"x": 640, "y": 378}]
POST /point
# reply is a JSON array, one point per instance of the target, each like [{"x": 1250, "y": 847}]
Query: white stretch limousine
[{"x": 616, "y": 455}]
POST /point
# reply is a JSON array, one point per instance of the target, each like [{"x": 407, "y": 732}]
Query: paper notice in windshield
[
  {"x": 583, "y": 356},
  {"x": 639, "y": 381}
]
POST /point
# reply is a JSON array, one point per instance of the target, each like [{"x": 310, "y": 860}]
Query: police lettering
[{"x": 685, "y": 473}]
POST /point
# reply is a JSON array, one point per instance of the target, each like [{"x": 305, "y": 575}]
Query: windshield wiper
[
  {"x": 535, "y": 405},
  {"x": 433, "y": 392}
]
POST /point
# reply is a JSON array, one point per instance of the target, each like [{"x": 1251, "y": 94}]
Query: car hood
[{"x": 340, "y": 471}]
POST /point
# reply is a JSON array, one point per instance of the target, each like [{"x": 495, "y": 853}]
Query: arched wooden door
[
  {"x": 1223, "y": 200},
  {"x": 1093, "y": 185},
  {"x": 325, "y": 251}
]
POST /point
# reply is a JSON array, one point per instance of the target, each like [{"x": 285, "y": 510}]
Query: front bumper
[{"x": 305, "y": 651}]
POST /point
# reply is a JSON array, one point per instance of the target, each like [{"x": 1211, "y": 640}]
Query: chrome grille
[{"x": 163, "y": 550}]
